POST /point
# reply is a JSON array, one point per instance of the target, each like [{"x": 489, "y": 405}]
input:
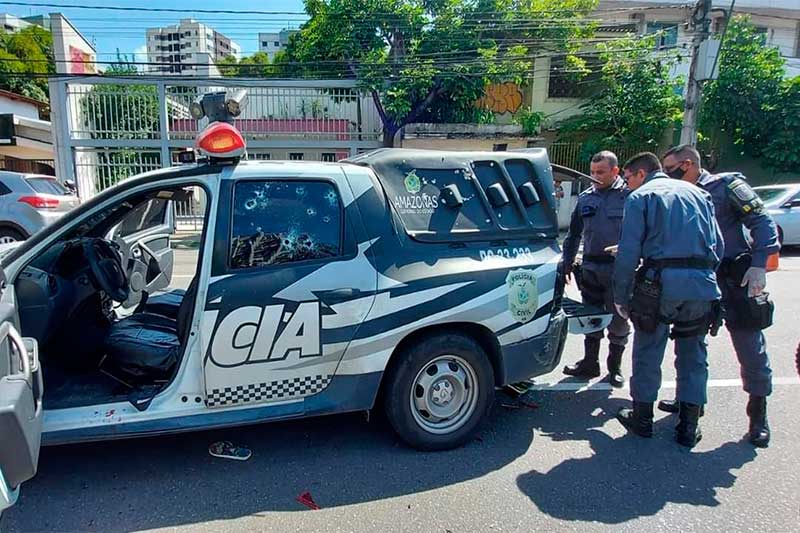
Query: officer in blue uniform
[
  {"x": 669, "y": 226},
  {"x": 597, "y": 220},
  {"x": 750, "y": 237}
]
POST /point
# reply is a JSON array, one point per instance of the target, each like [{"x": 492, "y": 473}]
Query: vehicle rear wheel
[
  {"x": 8, "y": 235},
  {"x": 439, "y": 391},
  {"x": 780, "y": 235}
]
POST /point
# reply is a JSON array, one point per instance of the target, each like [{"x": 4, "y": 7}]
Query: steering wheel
[{"x": 106, "y": 266}]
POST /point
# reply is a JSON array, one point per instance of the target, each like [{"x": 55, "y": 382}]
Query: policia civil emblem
[{"x": 523, "y": 295}]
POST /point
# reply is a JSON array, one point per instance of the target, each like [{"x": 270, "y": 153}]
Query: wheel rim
[
  {"x": 6, "y": 239},
  {"x": 444, "y": 395}
]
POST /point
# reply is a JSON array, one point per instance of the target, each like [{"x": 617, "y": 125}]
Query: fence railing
[
  {"x": 578, "y": 155},
  {"x": 112, "y": 128}
]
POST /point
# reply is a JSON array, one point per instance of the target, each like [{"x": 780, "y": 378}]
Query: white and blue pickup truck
[{"x": 424, "y": 279}]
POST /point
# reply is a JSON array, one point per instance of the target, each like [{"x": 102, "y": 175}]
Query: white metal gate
[{"x": 107, "y": 129}]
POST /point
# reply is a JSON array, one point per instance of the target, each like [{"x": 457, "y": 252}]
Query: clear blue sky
[{"x": 110, "y": 30}]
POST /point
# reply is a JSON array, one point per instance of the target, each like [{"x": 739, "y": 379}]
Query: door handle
[
  {"x": 340, "y": 295},
  {"x": 7, "y": 330}
]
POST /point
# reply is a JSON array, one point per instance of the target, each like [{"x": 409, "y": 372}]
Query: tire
[
  {"x": 8, "y": 235},
  {"x": 780, "y": 235},
  {"x": 442, "y": 369}
]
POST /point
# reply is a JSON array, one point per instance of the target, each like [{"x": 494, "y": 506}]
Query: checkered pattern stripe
[{"x": 274, "y": 390}]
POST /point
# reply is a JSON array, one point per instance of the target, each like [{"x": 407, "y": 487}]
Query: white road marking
[
  {"x": 601, "y": 385},
  {"x": 183, "y": 276}
]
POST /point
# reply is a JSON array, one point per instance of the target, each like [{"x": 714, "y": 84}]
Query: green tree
[
  {"x": 415, "y": 55},
  {"x": 26, "y": 59},
  {"x": 254, "y": 66},
  {"x": 636, "y": 102},
  {"x": 750, "y": 103}
]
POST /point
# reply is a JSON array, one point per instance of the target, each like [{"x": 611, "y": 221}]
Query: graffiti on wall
[{"x": 501, "y": 98}]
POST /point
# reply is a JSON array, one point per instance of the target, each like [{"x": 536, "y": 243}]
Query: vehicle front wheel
[
  {"x": 438, "y": 391},
  {"x": 9, "y": 235}
]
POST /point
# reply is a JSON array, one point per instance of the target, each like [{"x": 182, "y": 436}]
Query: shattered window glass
[{"x": 277, "y": 222}]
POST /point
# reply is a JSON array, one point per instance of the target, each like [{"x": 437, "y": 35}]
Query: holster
[
  {"x": 646, "y": 301},
  {"x": 741, "y": 311}
]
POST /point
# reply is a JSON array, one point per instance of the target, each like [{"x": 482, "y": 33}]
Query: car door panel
[
  {"x": 144, "y": 238},
  {"x": 20, "y": 407},
  {"x": 280, "y": 329}
]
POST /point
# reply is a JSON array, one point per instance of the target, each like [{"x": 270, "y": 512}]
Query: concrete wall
[{"x": 16, "y": 107}]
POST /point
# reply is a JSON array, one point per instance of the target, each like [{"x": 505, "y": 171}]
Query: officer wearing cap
[
  {"x": 750, "y": 237},
  {"x": 597, "y": 220},
  {"x": 669, "y": 227}
]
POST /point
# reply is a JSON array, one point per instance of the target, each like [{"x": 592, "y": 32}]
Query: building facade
[
  {"x": 189, "y": 48},
  {"x": 274, "y": 42}
]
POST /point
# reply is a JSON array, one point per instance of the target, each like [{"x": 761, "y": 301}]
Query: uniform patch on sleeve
[
  {"x": 744, "y": 198},
  {"x": 742, "y": 191}
]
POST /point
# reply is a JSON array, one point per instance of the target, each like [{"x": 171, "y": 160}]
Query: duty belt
[
  {"x": 599, "y": 258},
  {"x": 695, "y": 263}
]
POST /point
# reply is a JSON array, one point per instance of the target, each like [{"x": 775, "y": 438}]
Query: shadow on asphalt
[
  {"x": 627, "y": 477},
  {"x": 167, "y": 481}
]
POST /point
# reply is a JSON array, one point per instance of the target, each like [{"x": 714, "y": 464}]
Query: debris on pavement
[
  {"x": 306, "y": 499},
  {"x": 227, "y": 450}
]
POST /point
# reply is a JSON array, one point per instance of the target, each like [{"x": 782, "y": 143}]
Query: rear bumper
[{"x": 536, "y": 356}]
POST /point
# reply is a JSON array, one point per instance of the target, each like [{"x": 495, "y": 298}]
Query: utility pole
[{"x": 700, "y": 25}]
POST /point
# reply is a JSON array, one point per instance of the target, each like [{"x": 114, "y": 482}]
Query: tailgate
[{"x": 584, "y": 318}]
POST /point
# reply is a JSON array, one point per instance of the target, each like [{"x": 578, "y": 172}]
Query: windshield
[
  {"x": 768, "y": 195},
  {"x": 47, "y": 186}
]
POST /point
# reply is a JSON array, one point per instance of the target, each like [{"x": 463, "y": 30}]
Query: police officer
[
  {"x": 669, "y": 226},
  {"x": 750, "y": 237},
  {"x": 597, "y": 219}
]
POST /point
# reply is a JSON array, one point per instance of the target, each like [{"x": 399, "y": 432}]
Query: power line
[
  {"x": 284, "y": 13},
  {"x": 407, "y": 62},
  {"x": 148, "y": 78}
]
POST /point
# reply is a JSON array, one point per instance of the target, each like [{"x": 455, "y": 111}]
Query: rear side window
[
  {"x": 419, "y": 200},
  {"x": 277, "y": 222},
  {"x": 47, "y": 186},
  {"x": 4, "y": 189},
  {"x": 485, "y": 197}
]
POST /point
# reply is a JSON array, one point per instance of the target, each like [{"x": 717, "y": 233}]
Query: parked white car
[{"x": 783, "y": 203}]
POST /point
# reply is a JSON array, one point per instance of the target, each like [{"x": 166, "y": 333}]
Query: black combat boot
[
  {"x": 668, "y": 406},
  {"x": 589, "y": 366},
  {"x": 614, "y": 364},
  {"x": 759, "y": 427},
  {"x": 671, "y": 406},
  {"x": 638, "y": 420},
  {"x": 687, "y": 432}
]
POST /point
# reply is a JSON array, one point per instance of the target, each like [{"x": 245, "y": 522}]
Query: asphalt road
[{"x": 566, "y": 465}]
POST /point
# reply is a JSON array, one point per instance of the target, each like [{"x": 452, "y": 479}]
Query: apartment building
[{"x": 187, "y": 48}]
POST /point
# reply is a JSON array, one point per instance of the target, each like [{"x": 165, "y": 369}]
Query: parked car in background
[
  {"x": 29, "y": 202},
  {"x": 783, "y": 203}
]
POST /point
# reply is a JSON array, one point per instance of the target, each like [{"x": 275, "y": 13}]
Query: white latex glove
[
  {"x": 622, "y": 311},
  {"x": 756, "y": 280}
]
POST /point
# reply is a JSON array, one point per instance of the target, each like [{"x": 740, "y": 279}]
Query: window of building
[
  {"x": 280, "y": 222},
  {"x": 329, "y": 157},
  {"x": 667, "y": 34},
  {"x": 295, "y": 156},
  {"x": 564, "y": 82},
  {"x": 276, "y": 44},
  {"x": 265, "y": 44}
]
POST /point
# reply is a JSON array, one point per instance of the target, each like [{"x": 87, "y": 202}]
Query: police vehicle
[{"x": 421, "y": 279}]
